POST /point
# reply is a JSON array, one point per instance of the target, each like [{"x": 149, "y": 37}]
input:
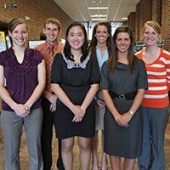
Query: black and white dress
[{"x": 75, "y": 80}]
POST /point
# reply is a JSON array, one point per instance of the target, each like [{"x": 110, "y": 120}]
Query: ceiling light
[
  {"x": 96, "y": 1},
  {"x": 98, "y": 19},
  {"x": 97, "y": 7},
  {"x": 98, "y": 15},
  {"x": 124, "y": 18}
]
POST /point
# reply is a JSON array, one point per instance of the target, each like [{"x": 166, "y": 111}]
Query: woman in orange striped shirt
[{"x": 156, "y": 100}]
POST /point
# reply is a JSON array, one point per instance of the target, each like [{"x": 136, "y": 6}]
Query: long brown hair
[
  {"x": 131, "y": 57},
  {"x": 93, "y": 43}
]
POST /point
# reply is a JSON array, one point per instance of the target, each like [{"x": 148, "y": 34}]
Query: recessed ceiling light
[
  {"x": 97, "y": 7},
  {"x": 98, "y": 15},
  {"x": 96, "y": 1},
  {"x": 98, "y": 19}
]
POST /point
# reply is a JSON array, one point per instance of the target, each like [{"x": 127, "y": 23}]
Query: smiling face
[
  {"x": 123, "y": 42},
  {"x": 76, "y": 37},
  {"x": 51, "y": 31},
  {"x": 150, "y": 36},
  {"x": 102, "y": 34},
  {"x": 19, "y": 35}
]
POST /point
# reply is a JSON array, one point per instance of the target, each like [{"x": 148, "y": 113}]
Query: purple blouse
[{"x": 20, "y": 80}]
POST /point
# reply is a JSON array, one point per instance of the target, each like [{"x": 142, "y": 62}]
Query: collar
[
  {"x": 71, "y": 64},
  {"x": 48, "y": 45}
]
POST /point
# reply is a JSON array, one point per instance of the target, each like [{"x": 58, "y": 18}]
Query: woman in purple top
[{"x": 22, "y": 80}]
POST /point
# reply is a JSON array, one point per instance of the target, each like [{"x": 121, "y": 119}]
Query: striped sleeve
[
  {"x": 158, "y": 74},
  {"x": 166, "y": 60}
]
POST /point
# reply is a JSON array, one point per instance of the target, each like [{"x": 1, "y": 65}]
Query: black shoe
[{"x": 59, "y": 164}]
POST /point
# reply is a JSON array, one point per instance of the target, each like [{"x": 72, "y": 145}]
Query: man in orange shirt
[{"x": 49, "y": 49}]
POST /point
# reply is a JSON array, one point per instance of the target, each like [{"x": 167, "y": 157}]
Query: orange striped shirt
[{"x": 158, "y": 81}]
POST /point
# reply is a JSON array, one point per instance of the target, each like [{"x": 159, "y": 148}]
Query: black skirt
[{"x": 65, "y": 128}]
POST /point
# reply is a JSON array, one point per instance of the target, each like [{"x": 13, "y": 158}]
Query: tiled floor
[{"x": 24, "y": 152}]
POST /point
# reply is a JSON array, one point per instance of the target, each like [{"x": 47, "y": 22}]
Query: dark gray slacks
[{"x": 154, "y": 125}]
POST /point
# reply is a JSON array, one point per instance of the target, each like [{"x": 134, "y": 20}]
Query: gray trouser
[
  {"x": 12, "y": 132},
  {"x": 154, "y": 125}
]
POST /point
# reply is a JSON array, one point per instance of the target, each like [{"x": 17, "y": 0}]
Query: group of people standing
[{"x": 81, "y": 88}]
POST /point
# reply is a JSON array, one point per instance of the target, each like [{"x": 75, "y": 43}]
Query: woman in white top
[{"x": 101, "y": 47}]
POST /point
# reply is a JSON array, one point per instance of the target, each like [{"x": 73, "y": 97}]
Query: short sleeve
[
  {"x": 56, "y": 71},
  {"x": 142, "y": 82},
  {"x": 38, "y": 56},
  {"x": 104, "y": 77}
]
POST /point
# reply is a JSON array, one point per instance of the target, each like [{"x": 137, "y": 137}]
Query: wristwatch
[{"x": 131, "y": 112}]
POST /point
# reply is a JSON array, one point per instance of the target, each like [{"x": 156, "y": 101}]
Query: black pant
[
  {"x": 47, "y": 135},
  {"x": 60, "y": 165}
]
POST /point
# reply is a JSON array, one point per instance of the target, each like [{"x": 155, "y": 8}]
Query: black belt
[{"x": 127, "y": 96}]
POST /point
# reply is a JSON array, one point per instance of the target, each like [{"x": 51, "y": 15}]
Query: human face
[
  {"x": 76, "y": 37},
  {"x": 102, "y": 34},
  {"x": 150, "y": 36},
  {"x": 123, "y": 42},
  {"x": 51, "y": 31},
  {"x": 19, "y": 35}
]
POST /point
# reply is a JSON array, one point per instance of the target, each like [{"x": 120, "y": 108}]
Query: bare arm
[
  {"x": 126, "y": 117},
  {"x": 88, "y": 99},
  {"x": 65, "y": 100},
  {"x": 110, "y": 105},
  {"x": 52, "y": 98},
  {"x": 40, "y": 87},
  {"x": 19, "y": 109},
  {"x": 123, "y": 119},
  {"x": 138, "y": 100},
  {"x": 90, "y": 96}
]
